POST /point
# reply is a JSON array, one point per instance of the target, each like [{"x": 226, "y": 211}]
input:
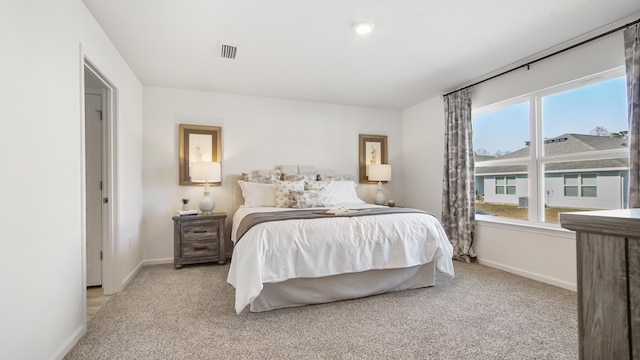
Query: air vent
[{"x": 228, "y": 51}]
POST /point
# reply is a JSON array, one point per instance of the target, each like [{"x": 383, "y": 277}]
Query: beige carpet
[{"x": 482, "y": 313}]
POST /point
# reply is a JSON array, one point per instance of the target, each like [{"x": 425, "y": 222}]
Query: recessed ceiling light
[{"x": 363, "y": 28}]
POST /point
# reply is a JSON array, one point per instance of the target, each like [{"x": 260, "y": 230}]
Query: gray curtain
[
  {"x": 632, "y": 60},
  {"x": 458, "y": 196}
]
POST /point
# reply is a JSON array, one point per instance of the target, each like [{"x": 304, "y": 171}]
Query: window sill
[{"x": 523, "y": 225}]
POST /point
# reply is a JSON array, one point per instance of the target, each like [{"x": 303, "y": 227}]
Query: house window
[
  {"x": 561, "y": 144},
  {"x": 571, "y": 185},
  {"x": 588, "y": 186},
  {"x": 506, "y": 185},
  {"x": 583, "y": 185}
]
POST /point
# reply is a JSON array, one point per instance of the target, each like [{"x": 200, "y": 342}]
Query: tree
[
  {"x": 624, "y": 134},
  {"x": 482, "y": 152},
  {"x": 600, "y": 131}
]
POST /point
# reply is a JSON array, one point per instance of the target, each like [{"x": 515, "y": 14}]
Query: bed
[{"x": 289, "y": 252}]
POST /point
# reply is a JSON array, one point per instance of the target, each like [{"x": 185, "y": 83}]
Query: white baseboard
[
  {"x": 66, "y": 346},
  {"x": 131, "y": 275},
  {"x": 531, "y": 275},
  {"x": 158, "y": 261}
]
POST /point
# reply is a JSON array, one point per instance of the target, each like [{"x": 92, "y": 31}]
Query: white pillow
[
  {"x": 344, "y": 192},
  {"x": 258, "y": 194}
]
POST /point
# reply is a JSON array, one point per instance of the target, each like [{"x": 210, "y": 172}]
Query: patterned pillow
[
  {"x": 282, "y": 192},
  {"x": 312, "y": 176},
  {"x": 306, "y": 198},
  {"x": 292, "y": 177},
  {"x": 260, "y": 178},
  {"x": 329, "y": 177},
  {"x": 328, "y": 199}
]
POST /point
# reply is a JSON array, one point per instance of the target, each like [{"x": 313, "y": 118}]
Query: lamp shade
[
  {"x": 380, "y": 172},
  {"x": 205, "y": 171}
]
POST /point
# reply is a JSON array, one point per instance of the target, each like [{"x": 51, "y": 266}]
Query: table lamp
[
  {"x": 206, "y": 171},
  {"x": 379, "y": 173}
]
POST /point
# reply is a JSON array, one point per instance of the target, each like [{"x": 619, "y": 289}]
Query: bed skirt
[{"x": 306, "y": 291}]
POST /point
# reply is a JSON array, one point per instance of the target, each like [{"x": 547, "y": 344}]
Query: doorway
[{"x": 99, "y": 184}]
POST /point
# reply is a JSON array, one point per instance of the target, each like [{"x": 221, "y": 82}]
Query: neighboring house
[{"x": 588, "y": 184}]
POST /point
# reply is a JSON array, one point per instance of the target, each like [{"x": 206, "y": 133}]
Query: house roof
[{"x": 563, "y": 144}]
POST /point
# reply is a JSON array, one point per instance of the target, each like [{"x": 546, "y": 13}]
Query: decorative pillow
[
  {"x": 329, "y": 177},
  {"x": 310, "y": 176},
  {"x": 306, "y": 198},
  {"x": 292, "y": 177},
  {"x": 261, "y": 178},
  {"x": 258, "y": 194},
  {"x": 282, "y": 189},
  {"x": 344, "y": 192},
  {"x": 328, "y": 199}
]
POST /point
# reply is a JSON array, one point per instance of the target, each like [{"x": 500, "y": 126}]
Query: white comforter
[{"x": 281, "y": 250}]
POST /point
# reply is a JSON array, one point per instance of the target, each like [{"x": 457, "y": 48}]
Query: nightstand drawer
[
  {"x": 196, "y": 232},
  {"x": 199, "y": 248}
]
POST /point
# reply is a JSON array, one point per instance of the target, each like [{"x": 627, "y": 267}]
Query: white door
[{"x": 94, "y": 184}]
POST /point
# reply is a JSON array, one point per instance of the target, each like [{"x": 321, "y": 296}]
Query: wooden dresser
[
  {"x": 608, "y": 257},
  {"x": 198, "y": 239}
]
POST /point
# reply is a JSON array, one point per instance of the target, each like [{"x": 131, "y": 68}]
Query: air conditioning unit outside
[{"x": 523, "y": 202}]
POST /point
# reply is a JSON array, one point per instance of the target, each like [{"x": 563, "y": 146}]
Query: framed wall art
[
  {"x": 373, "y": 151},
  {"x": 198, "y": 143}
]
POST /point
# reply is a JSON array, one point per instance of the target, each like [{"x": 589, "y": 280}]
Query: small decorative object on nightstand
[
  {"x": 391, "y": 203},
  {"x": 185, "y": 204},
  {"x": 198, "y": 239}
]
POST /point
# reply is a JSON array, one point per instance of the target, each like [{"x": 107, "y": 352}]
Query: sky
[{"x": 577, "y": 111}]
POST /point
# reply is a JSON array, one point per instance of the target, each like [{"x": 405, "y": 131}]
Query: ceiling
[{"x": 307, "y": 49}]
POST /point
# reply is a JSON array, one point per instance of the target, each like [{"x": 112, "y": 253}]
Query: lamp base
[
  {"x": 379, "y": 199},
  {"x": 207, "y": 204}
]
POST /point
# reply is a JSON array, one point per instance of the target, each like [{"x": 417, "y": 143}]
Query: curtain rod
[{"x": 547, "y": 56}]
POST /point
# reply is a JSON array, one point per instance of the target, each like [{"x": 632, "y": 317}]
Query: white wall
[
  {"x": 257, "y": 133},
  {"x": 541, "y": 254},
  {"x": 548, "y": 257},
  {"x": 41, "y": 262},
  {"x": 423, "y": 155}
]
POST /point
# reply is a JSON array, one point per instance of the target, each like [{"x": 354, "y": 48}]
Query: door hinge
[
  {"x": 100, "y": 184},
  {"x": 100, "y": 255},
  {"x": 105, "y": 200},
  {"x": 100, "y": 111}
]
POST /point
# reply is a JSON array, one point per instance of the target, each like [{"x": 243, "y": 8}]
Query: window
[
  {"x": 588, "y": 187},
  {"x": 558, "y": 149},
  {"x": 571, "y": 185},
  {"x": 506, "y": 185},
  {"x": 580, "y": 185}
]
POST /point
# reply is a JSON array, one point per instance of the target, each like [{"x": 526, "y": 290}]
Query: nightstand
[{"x": 198, "y": 239}]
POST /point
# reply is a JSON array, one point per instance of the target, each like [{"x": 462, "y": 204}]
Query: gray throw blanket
[{"x": 251, "y": 220}]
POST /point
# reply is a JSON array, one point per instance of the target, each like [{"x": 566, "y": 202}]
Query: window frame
[{"x": 536, "y": 160}]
